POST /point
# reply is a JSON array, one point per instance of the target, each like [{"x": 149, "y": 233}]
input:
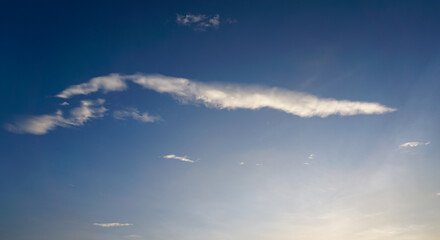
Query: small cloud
[
  {"x": 64, "y": 104},
  {"x": 259, "y": 164},
  {"x": 135, "y": 114},
  {"x": 199, "y": 22},
  {"x": 311, "y": 156},
  {"x": 183, "y": 159},
  {"x": 414, "y": 144},
  {"x": 241, "y": 163},
  {"x": 106, "y": 225},
  {"x": 133, "y": 236},
  {"x": 306, "y": 163}
]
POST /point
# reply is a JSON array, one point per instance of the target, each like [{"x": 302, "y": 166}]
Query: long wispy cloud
[
  {"x": 41, "y": 124},
  {"x": 231, "y": 96},
  {"x": 198, "y": 22},
  {"x": 106, "y": 225},
  {"x": 183, "y": 159},
  {"x": 211, "y": 95},
  {"x": 414, "y": 144}
]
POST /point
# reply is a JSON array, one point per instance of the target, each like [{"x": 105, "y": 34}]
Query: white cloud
[
  {"x": 241, "y": 163},
  {"x": 112, "y": 82},
  {"x": 112, "y": 224},
  {"x": 44, "y": 123},
  {"x": 199, "y": 22},
  {"x": 135, "y": 114},
  {"x": 229, "y": 96},
  {"x": 306, "y": 163},
  {"x": 414, "y": 144},
  {"x": 64, "y": 104},
  {"x": 183, "y": 159},
  {"x": 311, "y": 156},
  {"x": 258, "y": 164}
]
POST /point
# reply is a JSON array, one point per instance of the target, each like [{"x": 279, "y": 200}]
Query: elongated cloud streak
[
  {"x": 414, "y": 144},
  {"x": 43, "y": 123},
  {"x": 224, "y": 96},
  {"x": 112, "y": 224},
  {"x": 183, "y": 159}
]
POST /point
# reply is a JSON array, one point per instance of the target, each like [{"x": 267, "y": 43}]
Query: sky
[{"x": 220, "y": 120}]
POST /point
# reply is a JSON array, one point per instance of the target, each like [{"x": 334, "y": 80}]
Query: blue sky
[{"x": 220, "y": 120}]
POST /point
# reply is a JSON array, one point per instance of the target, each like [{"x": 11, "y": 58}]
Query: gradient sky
[{"x": 227, "y": 120}]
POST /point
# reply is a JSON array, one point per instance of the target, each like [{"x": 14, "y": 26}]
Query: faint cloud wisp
[
  {"x": 183, "y": 159},
  {"x": 107, "y": 225},
  {"x": 414, "y": 144},
  {"x": 135, "y": 114}
]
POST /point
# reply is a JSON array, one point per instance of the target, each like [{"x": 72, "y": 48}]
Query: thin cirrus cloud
[
  {"x": 183, "y": 159},
  {"x": 135, "y": 114},
  {"x": 230, "y": 96},
  {"x": 107, "y": 225},
  {"x": 41, "y": 124},
  {"x": 413, "y": 144},
  {"x": 198, "y": 22}
]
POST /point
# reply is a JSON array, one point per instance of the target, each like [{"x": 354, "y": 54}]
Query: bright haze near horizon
[{"x": 220, "y": 120}]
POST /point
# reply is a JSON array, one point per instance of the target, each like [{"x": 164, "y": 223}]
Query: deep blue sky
[{"x": 249, "y": 180}]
